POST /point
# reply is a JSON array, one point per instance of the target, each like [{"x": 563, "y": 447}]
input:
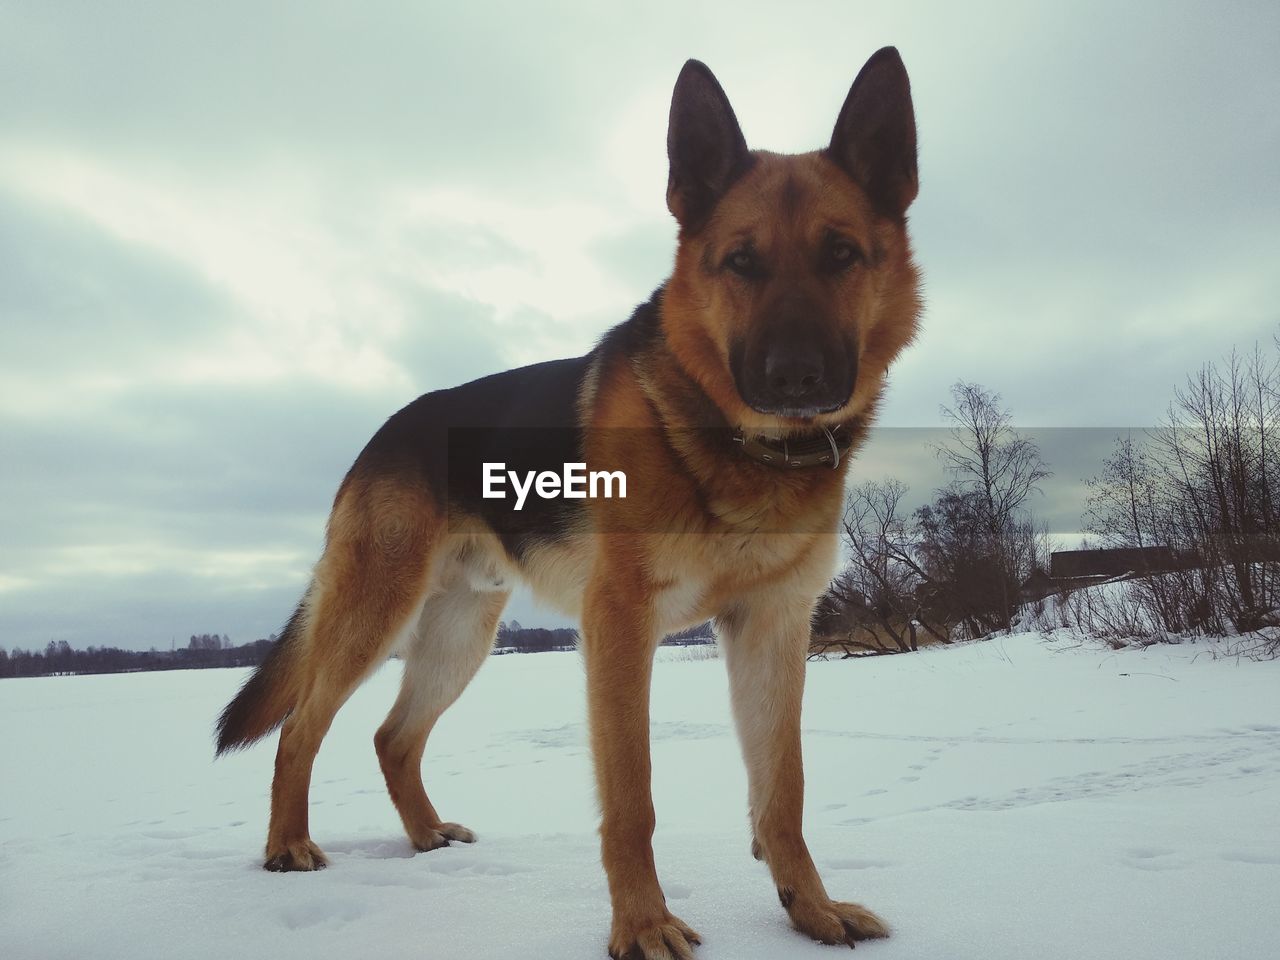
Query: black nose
[{"x": 794, "y": 371}]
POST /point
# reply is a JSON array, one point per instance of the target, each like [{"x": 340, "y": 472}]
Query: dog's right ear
[{"x": 705, "y": 146}]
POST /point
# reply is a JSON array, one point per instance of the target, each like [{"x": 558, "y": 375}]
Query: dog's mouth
[
  {"x": 792, "y": 411},
  {"x": 793, "y": 379}
]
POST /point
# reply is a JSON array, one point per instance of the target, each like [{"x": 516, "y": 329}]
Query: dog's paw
[
  {"x": 439, "y": 836},
  {"x": 666, "y": 938},
  {"x": 456, "y": 831},
  {"x": 299, "y": 855},
  {"x": 830, "y": 921}
]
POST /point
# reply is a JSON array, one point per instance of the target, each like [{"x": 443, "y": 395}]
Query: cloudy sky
[{"x": 235, "y": 237}]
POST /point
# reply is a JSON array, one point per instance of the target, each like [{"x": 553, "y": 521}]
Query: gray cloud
[
  {"x": 218, "y": 273},
  {"x": 487, "y": 94},
  {"x": 151, "y": 609},
  {"x": 644, "y": 250},
  {"x": 74, "y": 298}
]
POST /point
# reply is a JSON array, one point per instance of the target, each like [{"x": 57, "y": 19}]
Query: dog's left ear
[
  {"x": 875, "y": 137},
  {"x": 705, "y": 146}
]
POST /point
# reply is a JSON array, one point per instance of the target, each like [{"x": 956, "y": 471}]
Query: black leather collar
[{"x": 825, "y": 448}]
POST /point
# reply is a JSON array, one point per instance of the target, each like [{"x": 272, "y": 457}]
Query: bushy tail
[{"x": 268, "y": 696}]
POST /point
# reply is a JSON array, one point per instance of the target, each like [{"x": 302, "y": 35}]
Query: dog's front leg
[
  {"x": 619, "y": 638},
  {"x": 765, "y": 642}
]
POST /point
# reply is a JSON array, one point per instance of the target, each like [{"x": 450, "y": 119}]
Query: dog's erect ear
[
  {"x": 875, "y": 137},
  {"x": 705, "y": 146}
]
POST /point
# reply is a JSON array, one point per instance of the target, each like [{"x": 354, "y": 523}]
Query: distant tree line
[
  {"x": 513, "y": 638},
  {"x": 692, "y": 636},
  {"x": 59, "y": 658},
  {"x": 204, "y": 650}
]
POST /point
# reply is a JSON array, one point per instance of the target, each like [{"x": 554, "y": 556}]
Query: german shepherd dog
[{"x": 731, "y": 401}]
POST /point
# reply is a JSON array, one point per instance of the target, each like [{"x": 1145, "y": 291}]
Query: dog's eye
[
  {"x": 743, "y": 262},
  {"x": 841, "y": 254}
]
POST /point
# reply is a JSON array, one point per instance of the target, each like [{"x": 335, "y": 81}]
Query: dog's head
[{"x": 793, "y": 287}]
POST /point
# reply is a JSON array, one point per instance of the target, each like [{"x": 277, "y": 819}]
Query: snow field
[{"x": 1004, "y": 800}]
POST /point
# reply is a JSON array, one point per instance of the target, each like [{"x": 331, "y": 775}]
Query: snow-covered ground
[{"x": 1005, "y": 800}]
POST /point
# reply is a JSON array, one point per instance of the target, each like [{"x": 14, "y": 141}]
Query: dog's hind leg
[
  {"x": 454, "y": 636},
  {"x": 765, "y": 641},
  {"x": 368, "y": 591}
]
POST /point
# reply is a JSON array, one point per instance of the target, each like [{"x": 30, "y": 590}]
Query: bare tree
[
  {"x": 995, "y": 471},
  {"x": 884, "y": 587},
  {"x": 1219, "y": 474},
  {"x": 958, "y": 561},
  {"x": 1204, "y": 484},
  {"x": 987, "y": 455},
  {"x": 1120, "y": 509}
]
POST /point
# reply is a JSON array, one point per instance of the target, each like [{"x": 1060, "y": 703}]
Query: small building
[
  {"x": 1072, "y": 569},
  {"x": 1114, "y": 562}
]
